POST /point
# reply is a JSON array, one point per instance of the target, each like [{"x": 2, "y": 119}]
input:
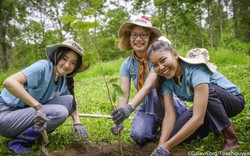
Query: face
[
  {"x": 164, "y": 63},
  {"x": 139, "y": 39},
  {"x": 67, "y": 63}
]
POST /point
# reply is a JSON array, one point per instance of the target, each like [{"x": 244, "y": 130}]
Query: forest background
[{"x": 221, "y": 26}]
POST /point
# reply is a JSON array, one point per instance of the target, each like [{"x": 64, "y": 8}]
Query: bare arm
[
  {"x": 144, "y": 91},
  {"x": 199, "y": 108},
  {"x": 75, "y": 117},
  {"x": 14, "y": 85},
  {"x": 125, "y": 86},
  {"x": 169, "y": 118}
]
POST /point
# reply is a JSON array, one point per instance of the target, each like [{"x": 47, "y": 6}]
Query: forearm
[
  {"x": 140, "y": 96},
  {"x": 75, "y": 117},
  {"x": 167, "y": 128},
  {"x": 187, "y": 130},
  {"x": 16, "y": 89}
]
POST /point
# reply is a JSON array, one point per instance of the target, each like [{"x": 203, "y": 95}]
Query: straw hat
[
  {"x": 199, "y": 56},
  {"x": 76, "y": 47},
  {"x": 142, "y": 21}
]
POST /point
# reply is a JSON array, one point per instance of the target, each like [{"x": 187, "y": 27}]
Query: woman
[
  {"x": 194, "y": 79},
  {"x": 137, "y": 35},
  {"x": 41, "y": 97}
]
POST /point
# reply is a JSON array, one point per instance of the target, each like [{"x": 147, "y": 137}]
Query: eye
[
  {"x": 65, "y": 58},
  {"x": 143, "y": 35},
  {"x": 134, "y": 35},
  {"x": 155, "y": 65},
  {"x": 163, "y": 60},
  {"x": 74, "y": 62}
]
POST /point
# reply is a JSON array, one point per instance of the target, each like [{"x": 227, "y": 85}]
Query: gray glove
[
  {"x": 80, "y": 130},
  {"x": 116, "y": 129},
  {"x": 160, "y": 151},
  {"x": 40, "y": 119},
  {"x": 120, "y": 114}
]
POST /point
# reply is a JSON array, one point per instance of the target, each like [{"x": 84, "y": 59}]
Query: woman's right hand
[{"x": 40, "y": 119}]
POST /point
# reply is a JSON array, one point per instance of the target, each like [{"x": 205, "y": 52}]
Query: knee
[
  {"x": 141, "y": 137},
  {"x": 59, "y": 112},
  {"x": 138, "y": 137}
]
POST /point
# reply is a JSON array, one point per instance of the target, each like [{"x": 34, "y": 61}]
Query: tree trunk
[
  {"x": 235, "y": 8},
  {"x": 3, "y": 46}
]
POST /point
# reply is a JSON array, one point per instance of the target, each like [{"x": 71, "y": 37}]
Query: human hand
[
  {"x": 120, "y": 114},
  {"x": 116, "y": 129},
  {"x": 160, "y": 151},
  {"x": 80, "y": 130},
  {"x": 40, "y": 119}
]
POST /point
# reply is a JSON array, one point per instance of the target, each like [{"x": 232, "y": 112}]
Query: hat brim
[
  {"x": 199, "y": 60},
  {"x": 127, "y": 24},
  {"x": 49, "y": 50}
]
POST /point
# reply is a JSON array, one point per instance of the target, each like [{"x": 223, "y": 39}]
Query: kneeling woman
[
  {"x": 194, "y": 79},
  {"x": 41, "y": 97}
]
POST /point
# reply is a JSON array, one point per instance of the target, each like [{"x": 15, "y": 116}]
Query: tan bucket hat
[
  {"x": 142, "y": 21},
  {"x": 199, "y": 56},
  {"x": 76, "y": 47}
]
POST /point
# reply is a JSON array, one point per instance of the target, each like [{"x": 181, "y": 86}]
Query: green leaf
[
  {"x": 113, "y": 81},
  {"x": 118, "y": 90},
  {"x": 88, "y": 12},
  {"x": 80, "y": 25},
  {"x": 68, "y": 18}
]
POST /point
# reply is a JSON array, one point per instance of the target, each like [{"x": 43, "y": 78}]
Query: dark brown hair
[{"x": 159, "y": 45}]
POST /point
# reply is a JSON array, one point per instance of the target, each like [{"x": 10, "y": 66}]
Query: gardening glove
[
  {"x": 160, "y": 151},
  {"x": 80, "y": 130},
  {"x": 40, "y": 119},
  {"x": 116, "y": 129},
  {"x": 120, "y": 114}
]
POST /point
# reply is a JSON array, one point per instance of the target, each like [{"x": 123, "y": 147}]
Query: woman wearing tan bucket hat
[
  {"x": 137, "y": 35},
  {"x": 194, "y": 79},
  {"x": 41, "y": 97}
]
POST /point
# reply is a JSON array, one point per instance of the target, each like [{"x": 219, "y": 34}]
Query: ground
[{"x": 89, "y": 148}]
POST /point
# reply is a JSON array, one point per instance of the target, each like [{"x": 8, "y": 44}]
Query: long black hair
[{"x": 58, "y": 54}]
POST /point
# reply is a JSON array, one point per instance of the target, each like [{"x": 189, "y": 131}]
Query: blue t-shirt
[
  {"x": 130, "y": 69},
  {"x": 40, "y": 85},
  {"x": 194, "y": 75}
]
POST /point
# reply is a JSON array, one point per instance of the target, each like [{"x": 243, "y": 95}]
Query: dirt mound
[{"x": 88, "y": 148}]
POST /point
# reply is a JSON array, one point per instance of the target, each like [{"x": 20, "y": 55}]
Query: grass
[{"x": 92, "y": 97}]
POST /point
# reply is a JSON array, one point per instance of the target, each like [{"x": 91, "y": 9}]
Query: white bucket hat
[
  {"x": 142, "y": 21},
  {"x": 199, "y": 56},
  {"x": 76, "y": 47},
  {"x": 163, "y": 38}
]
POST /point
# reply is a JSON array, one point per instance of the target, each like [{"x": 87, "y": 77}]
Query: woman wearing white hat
[
  {"x": 194, "y": 79},
  {"x": 41, "y": 97},
  {"x": 137, "y": 35}
]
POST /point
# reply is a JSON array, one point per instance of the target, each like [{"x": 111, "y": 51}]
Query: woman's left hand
[{"x": 80, "y": 130}]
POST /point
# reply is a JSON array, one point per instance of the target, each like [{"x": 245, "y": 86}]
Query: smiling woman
[
  {"x": 215, "y": 99},
  {"x": 41, "y": 97}
]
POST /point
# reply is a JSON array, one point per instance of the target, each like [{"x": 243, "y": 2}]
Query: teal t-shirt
[
  {"x": 130, "y": 69},
  {"x": 40, "y": 85},
  {"x": 194, "y": 75}
]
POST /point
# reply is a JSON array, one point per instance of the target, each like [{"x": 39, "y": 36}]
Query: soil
[{"x": 88, "y": 148}]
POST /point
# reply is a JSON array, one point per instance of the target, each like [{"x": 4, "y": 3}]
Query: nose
[
  {"x": 67, "y": 64},
  {"x": 161, "y": 66}
]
